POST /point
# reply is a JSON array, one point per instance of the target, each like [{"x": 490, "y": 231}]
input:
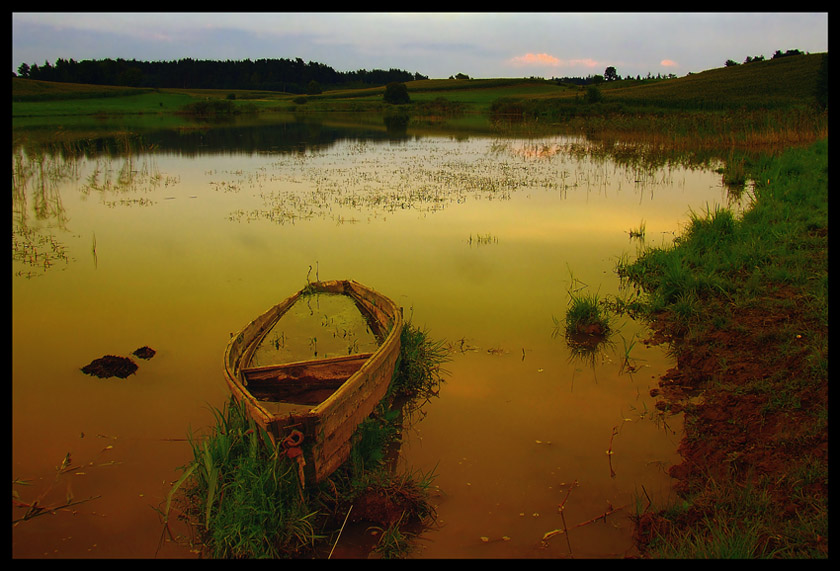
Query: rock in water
[
  {"x": 144, "y": 352},
  {"x": 110, "y": 366}
]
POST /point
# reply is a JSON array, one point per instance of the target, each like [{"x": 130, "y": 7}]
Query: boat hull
[{"x": 336, "y": 394}]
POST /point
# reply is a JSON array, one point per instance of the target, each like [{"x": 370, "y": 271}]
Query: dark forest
[{"x": 283, "y": 75}]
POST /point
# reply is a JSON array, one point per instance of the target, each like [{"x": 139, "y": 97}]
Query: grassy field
[
  {"x": 782, "y": 82},
  {"x": 778, "y": 83}
]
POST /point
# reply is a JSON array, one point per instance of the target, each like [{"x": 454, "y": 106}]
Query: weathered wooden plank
[{"x": 307, "y": 382}]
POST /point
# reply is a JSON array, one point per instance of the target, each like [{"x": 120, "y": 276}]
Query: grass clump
[
  {"x": 419, "y": 369},
  {"x": 244, "y": 498},
  {"x": 586, "y": 315},
  {"x": 588, "y": 322}
]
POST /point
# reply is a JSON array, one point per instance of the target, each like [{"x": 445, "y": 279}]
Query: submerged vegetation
[{"x": 243, "y": 496}]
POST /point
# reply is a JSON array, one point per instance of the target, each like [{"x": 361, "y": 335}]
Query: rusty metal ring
[{"x": 295, "y": 438}]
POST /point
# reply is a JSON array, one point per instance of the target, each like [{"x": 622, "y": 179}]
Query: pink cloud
[
  {"x": 535, "y": 59},
  {"x": 543, "y": 59},
  {"x": 668, "y": 63}
]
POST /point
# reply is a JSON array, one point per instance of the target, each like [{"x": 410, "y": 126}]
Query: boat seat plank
[{"x": 305, "y": 382}]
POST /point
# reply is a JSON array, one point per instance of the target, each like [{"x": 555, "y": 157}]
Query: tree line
[
  {"x": 284, "y": 75},
  {"x": 776, "y": 55}
]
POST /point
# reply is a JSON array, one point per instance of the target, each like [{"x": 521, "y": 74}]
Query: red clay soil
[{"x": 750, "y": 404}]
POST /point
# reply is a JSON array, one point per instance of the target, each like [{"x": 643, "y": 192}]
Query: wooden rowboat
[{"x": 314, "y": 406}]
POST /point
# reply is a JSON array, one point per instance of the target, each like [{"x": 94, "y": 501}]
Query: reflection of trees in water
[
  {"x": 37, "y": 208},
  {"x": 131, "y": 175},
  {"x": 40, "y": 173},
  {"x": 35, "y": 184}
]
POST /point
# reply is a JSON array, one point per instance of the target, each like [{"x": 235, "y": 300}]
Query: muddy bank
[{"x": 755, "y": 421}]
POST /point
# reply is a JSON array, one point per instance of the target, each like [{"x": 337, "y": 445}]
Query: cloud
[
  {"x": 543, "y": 59},
  {"x": 535, "y": 59},
  {"x": 668, "y": 63}
]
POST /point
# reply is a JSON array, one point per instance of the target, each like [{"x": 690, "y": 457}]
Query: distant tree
[
  {"x": 396, "y": 93},
  {"x": 779, "y": 53},
  {"x": 461, "y": 76},
  {"x": 23, "y": 70},
  {"x": 730, "y": 63},
  {"x": 610, "y": 74}
]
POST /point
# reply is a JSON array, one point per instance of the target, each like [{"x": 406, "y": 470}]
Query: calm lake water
[{"x": 479, "y": 238}]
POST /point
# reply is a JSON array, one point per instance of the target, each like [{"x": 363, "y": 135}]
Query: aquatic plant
[
  {"x": 586, "y": 316},
  {"x": 393, "y": 542},
  {"x": 638, "y": 232},
  {"x": 419, "y": 371}
]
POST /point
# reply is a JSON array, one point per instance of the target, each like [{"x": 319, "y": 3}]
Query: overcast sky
[{"x": 438, "y": 45}]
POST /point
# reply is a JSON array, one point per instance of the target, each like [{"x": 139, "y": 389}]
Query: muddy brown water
[{"x": 479, "y": 239}]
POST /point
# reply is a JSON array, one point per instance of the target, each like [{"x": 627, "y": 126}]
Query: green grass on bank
[
  {"x": 743, "y": 301},
  {"x": 720, "y": 254}
]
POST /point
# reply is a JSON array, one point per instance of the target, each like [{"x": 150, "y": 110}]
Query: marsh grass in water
[
  {"x": 638, "y": 232},
  {"x": 419, "y": 371},
  {"x": 587, "y": 315},
  {"x": 243, "y": 498},
  {"x": 393, "y": 542}
]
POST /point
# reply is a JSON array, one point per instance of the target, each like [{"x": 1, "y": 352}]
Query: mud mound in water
[
  {"x": 110, "y": 366},
  {"x": 144, "y": 353}
]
